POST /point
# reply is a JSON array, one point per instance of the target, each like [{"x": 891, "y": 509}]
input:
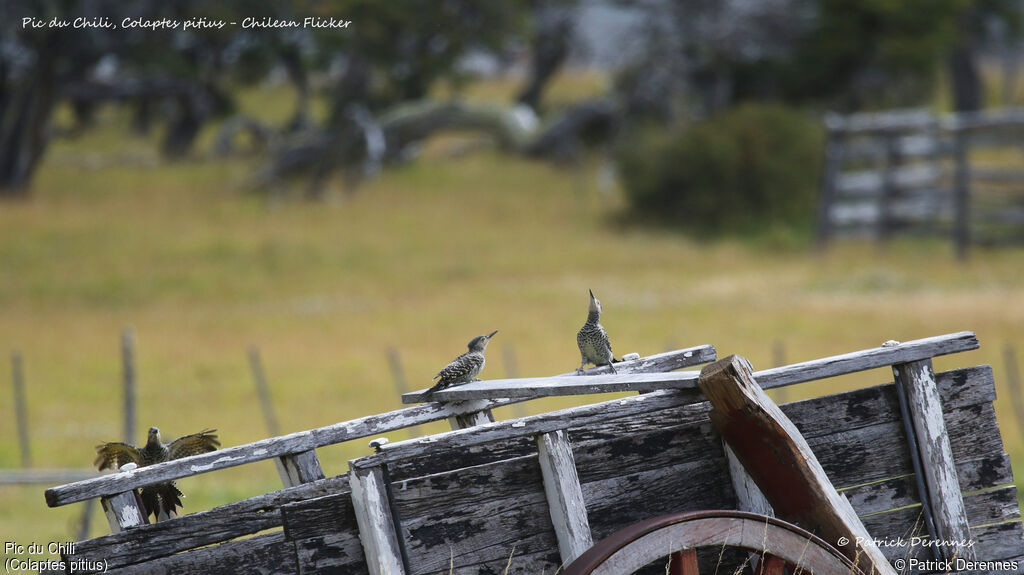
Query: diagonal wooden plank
[{"x": 779, "y": 459}]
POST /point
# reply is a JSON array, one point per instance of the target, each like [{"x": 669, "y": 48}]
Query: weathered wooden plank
[
  {"x": 775, "y": 377},
  {"x": 620, "y": 500},
  {"x": 873, "y": 181},
  {"x": 776, "y": 455},
  {"x": 376, "y": 526},
  {"x": 748, "y": 494},
  {"x": 983, "y": 508},
  {"x": 949, "y": 517},
  {"x": 124, "y": 511},
  {"x": 471, "y": 419},
  {"x": 639, "y": 374},
  {"x": 974, "y": 474},
  {"x": 334, "y": 554},
  {"x": 298, "y": 468},
  {"x": 998, "y": 541},
  {"x": 646, "y": 406},
  {"x": 565, "y": 498},
  {"x": 266, "y": 554},
  {"x": 881, "y": 356},
  {"x": 202, "y": 528},
  {"x": 311, "y": 439}
]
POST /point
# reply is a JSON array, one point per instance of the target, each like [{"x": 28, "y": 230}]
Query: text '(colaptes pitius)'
[{"x": 466, "y": 367}]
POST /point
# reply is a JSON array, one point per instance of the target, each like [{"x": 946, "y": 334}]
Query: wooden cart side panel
[
  {"x": 268, "y": 554},
  {"x": 475, "y": 517},
  {"x": 201, "y": 528}
]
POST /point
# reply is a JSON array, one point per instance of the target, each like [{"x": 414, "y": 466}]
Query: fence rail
[{"x": 915, "y": 172}]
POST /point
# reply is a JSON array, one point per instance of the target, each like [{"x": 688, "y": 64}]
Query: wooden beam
[
  {"x": 782, "y": 463},
  {"x": 124, "y": 511},
  {"x": 658, "y": 363},
  {"x": 298, "y": 468},
  {"x": 564, "y": 494},
  {"x": 296, "y": 442},
  {"x": 882, "y": 356},
  {"x": 917, "y": 380},
  {"x": 748, "y": 494},
  {"x": 376, "y": 525}
]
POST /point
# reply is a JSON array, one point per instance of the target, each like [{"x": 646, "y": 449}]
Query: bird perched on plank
[
  {"x": 592, "y": 339},
  {"x": 160, "y": 497},
  {"x": 464, "y": 368}
]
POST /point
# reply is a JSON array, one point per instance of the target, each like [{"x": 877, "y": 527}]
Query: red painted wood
[{"x": 684, "y": 563}]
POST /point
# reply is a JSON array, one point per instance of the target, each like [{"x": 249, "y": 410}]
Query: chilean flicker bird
[
  {"x": 592, "y": 339},
  {"x": 160, "y": 497},
  {"x": 464, "y": 368}
]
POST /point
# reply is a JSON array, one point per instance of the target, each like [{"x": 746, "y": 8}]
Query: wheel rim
[{"x": 661, "y": 537}]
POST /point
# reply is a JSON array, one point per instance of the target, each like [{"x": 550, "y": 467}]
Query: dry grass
[{"x": 422, "y": 258}]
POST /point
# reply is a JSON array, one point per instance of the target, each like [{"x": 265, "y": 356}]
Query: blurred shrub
[{"x": 753, "y": 169}]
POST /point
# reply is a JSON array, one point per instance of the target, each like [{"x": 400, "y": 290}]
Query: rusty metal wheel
[{"x": 780, "y": 547}]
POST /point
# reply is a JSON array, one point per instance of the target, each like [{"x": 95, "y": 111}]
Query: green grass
[{"x": 423, "y": 258}]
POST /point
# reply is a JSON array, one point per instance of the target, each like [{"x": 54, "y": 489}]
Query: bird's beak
[
  {"x": 492, "y": 334},
  {"x": 591, "y": 294}
]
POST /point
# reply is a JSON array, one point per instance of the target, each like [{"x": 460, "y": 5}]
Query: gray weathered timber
[
  {"x": 654, "y": 364},
  {"x": 333, "y": 553},
  {"x": 619, "y": 501},
  {"x": 376, "y": 526},
  {"x": 782, "y": 462},
  {"x": 646, "y": 405},
  {"x": 314, "y": 438},
  {"x": 565, "y": 497},
  {"x": 768, "y": 378},
  {"x": 124, "y": 511},
  {"x": 128, "y": 382},
  {"x": 298, "y": 468},
  {"x": 259, "y": 378},
  {"x": 748, "y": 494},
  {"x": 974, "y": 474},
  {"x": 940, "y": 479},
  {"x": 867, "y": 359},
  {"x": 471, "y": 419},
  {"x": 266, "y": 554},
  {"x": 219, "y": 524},
  {"x": 984, "y": 508},
  {"x": 474, "y": 518}
]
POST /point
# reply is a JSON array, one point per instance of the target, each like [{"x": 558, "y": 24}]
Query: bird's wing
[
  {"x": 202, "y": 442},
  {"x": 115, "y": 454},
  {"x": 449, "y": 370}
]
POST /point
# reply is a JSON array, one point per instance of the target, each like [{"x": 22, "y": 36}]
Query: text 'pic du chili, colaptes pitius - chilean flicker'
[
  {"x": 464, "y": 368},
  {"x": 592, "y": 339},
  {"x": 161, "y": 498}
]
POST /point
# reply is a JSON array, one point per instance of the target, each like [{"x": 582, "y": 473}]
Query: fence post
[
  {"x": 20, "y": 411},
  {"x": 128, "y": 380},
  {"x": 259, "y": 377},
  {"x": 401, "y": 383},
  {"x": 961, "y": 193}
]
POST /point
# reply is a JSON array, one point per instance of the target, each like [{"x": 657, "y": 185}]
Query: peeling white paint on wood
[{"x": 564, "y": 494}]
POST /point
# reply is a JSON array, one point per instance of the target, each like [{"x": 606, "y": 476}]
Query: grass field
[{"x": 422, "y": 258}]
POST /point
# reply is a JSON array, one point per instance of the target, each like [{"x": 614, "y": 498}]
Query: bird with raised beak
[
  {"x": 592, "y": 339},
  {"x": 160, "y": 499},
  {"x": 465, "y": 368}
]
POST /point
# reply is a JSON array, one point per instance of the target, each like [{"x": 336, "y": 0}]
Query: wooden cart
[{"x": 533, "y": 494}]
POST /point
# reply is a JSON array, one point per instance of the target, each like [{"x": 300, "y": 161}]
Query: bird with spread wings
[{"x": 159, "y": 499}]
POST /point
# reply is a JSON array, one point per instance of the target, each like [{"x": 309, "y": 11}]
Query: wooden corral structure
[
  {"x": 921, "y": 455},
  {"x": 915, "y": 172}
]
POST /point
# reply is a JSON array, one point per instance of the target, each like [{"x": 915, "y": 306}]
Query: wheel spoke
[{"x": 684, "y": 563}]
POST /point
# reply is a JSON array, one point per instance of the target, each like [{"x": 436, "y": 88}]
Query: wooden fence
[
  {"x": 914, "y": 172},
  {"x": 529, "y": 493}
]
